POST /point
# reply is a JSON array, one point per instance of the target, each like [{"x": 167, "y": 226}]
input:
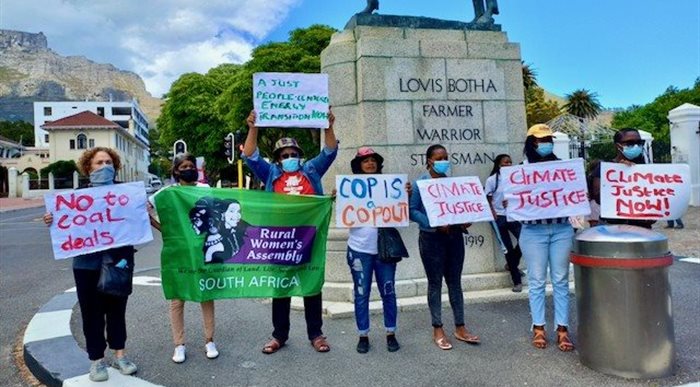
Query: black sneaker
[
  {"x": 391, "y": 344},
  {"x": 363, "y": 345}
]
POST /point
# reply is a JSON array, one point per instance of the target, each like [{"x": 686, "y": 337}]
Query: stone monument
[{"x": 400, "y": 84}]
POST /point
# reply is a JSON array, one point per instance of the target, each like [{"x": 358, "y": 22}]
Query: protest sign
[
  {"x": 646, "y": 191},
  {"x": 229, "y": 243},
  {"x": 454, "y": 200},
  {"x": 552, "y": 189},
  {"x": 291, "y": 100},
  {"x": 99, "y": 218},
  {"x": 371, "y": 200}
]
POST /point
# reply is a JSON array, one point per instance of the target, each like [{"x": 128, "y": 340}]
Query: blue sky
[{"x": 627, "y": 51}]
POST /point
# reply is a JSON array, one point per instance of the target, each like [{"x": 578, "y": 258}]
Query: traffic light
[
  {"x": 179, "y": 147},
  {"x": 229, "y": 147}
]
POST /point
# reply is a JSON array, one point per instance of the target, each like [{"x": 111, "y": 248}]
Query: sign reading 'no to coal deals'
[{"x": 291, "y": 100}]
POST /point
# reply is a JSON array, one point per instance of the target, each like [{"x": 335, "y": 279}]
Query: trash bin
[{"x": 623, "y": 300}]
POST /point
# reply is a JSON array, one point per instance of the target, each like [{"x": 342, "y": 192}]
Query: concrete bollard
[
  {"x": 52, "y": 184},
  {"x": 12, "y": 182},
  {"x": 25, "y": 186}
]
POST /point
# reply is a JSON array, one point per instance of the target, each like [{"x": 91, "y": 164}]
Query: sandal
[
  {"x": 272, "y": 346},
  {"x": 468, "y": 338},
  {"x": 442, "y": 343},
  {"x": 563, "y": 341},
  {"x": 539, "y": 339},
  {"x": 320, "y": 344}
]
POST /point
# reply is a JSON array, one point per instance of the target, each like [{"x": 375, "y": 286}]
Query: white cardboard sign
[
  {"x": 291, "y": 100},
  {"x": 371, "y": 200},
  {"x": 454, "y": 200}
]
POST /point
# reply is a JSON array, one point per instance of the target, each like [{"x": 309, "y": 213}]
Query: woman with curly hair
[{"x": 99, "y": 310}]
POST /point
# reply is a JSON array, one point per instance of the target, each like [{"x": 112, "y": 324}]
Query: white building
[{"x": 126, "y": 114}]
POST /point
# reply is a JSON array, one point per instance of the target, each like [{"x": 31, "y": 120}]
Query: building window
[
  {"x": 46, "y": 138},
  {"x": 91, "y": 143},
  {"x": 82, "y": 141},
  {"x": 72, "y": 144},
  {"x": 47, "y": 110},
  {"x": 100, "y": 111}
]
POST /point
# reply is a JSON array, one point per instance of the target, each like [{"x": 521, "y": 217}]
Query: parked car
[{"x": 153, "y": 184}]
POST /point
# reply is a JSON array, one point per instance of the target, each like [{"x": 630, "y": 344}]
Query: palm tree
[
  {"x": 583, "y": 104},
  {"x": 529, "y": 76}
]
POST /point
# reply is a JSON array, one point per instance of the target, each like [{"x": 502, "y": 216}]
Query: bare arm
[
  {"x": 251, "y": 141},
  {"x": 331, "y": 142}
]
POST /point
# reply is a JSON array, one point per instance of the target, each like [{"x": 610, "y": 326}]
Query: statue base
[{"x": 375, "y": 20}]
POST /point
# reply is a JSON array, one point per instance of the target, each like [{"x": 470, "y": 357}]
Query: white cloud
[{"x": 157, "y": 39}]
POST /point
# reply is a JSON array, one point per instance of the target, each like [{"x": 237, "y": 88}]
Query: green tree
[
  {"x": 529, "y": 76},
  {"x": 189, "y": 113},
  {"x": 653, "y": 117},
  {"x": 582, "y": 103},
  {"x": 61, "y": 169},
  {"x": 18, "y": 130},
  {"x": 538, "y": 108}
]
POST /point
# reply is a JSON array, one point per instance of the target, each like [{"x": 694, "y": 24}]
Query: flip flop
[
  {"x": 272, "y": 346},
  {"x": 442, "y": 343},
  {"x": 469, "y": 338},
  {"x": 320, "y": 344}
]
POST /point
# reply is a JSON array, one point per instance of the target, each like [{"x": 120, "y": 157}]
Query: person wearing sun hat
[
  {"x": 287, "y": 175},
  {"x": 546, "y": 243},
  {"x": 363, "y": 260}
]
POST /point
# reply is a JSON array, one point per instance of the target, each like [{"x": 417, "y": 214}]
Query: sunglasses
[
  {"x": 288, "y": 155},
  {"x": 633, "y": 142}
]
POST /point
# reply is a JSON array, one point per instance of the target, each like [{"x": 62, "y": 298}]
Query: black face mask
[{"x": 188, "y": 175}]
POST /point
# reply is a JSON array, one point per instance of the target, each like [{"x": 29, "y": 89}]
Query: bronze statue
[
  {"x": 372, "y": 5},
  {"x": 484, "y": 11}
]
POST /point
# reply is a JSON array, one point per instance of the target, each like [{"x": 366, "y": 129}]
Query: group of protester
[{"x": 544, "y": 244}]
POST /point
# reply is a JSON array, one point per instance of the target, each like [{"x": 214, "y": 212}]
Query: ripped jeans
[{"x": 361, "y": 267}]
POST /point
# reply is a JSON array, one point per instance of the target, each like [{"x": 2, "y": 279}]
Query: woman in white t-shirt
[
  {"x": 494, "y": 194},
  {"x": 363, "y": 259},
  {"x": 185, "y": 173}
]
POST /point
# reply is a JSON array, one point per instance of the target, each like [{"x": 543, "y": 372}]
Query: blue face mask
[
  {"x": 102, "y": 176},
  {"x": 441, "y": 167},
  {"x": 631, "y": 152},
  {"x": 544, "y": 149},
  {"x": 290, "y": 164}
]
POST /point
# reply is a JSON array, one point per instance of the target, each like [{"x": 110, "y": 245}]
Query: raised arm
[
  {"x": 331, "y": 141},
  {"x": 251, "y": 141}
]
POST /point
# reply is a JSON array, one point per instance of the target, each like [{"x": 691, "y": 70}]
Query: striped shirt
[{"x": 547, "y": 221}]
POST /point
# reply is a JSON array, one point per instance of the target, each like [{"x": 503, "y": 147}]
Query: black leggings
[{"x": 96, "y": 308}]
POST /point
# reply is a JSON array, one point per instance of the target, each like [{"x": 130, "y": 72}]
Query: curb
[
  {"x": 15, "y": 209},
  {"x": 52, "y": 354}
]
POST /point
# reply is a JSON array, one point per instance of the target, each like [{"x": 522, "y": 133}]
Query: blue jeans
[
  {"x": 361, "y": 267},
  {"x": 443, "y": 257},
  {"x": 547, "y": 245}
]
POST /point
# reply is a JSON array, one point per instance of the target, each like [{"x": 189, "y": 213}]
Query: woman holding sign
[
  {"x": 364, "y": 259},
  {"x": 442, "y": 252},
  {"x": 546, "y": 243},
  {"x": 99, "y": 310},
  {"x": 494, "y": 195},
  {"x": 184, "y": 171}
]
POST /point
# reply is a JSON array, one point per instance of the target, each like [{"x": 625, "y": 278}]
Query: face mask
[
  {"x": 441, "y": 167},
  {"x": 188, "y": 175},
  {"x": 631, "y": 152},
  {"x": 290, "y": 164},
  {"x": 102, "y": 176},
  {"x": 544, "y": 148}
]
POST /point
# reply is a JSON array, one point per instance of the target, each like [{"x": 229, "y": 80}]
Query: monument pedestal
[{"x": 401, "y": 89}]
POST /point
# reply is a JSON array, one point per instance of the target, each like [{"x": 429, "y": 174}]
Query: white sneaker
[
  {"x": 212, "y": 353},
  {"x": 179, "y": 355}
]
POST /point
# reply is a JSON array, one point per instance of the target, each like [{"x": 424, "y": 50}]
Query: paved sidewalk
[{"x": 13, "y": 204}]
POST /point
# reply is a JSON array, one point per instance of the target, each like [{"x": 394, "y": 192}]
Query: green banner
[{"x": 229, "y": 243}]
